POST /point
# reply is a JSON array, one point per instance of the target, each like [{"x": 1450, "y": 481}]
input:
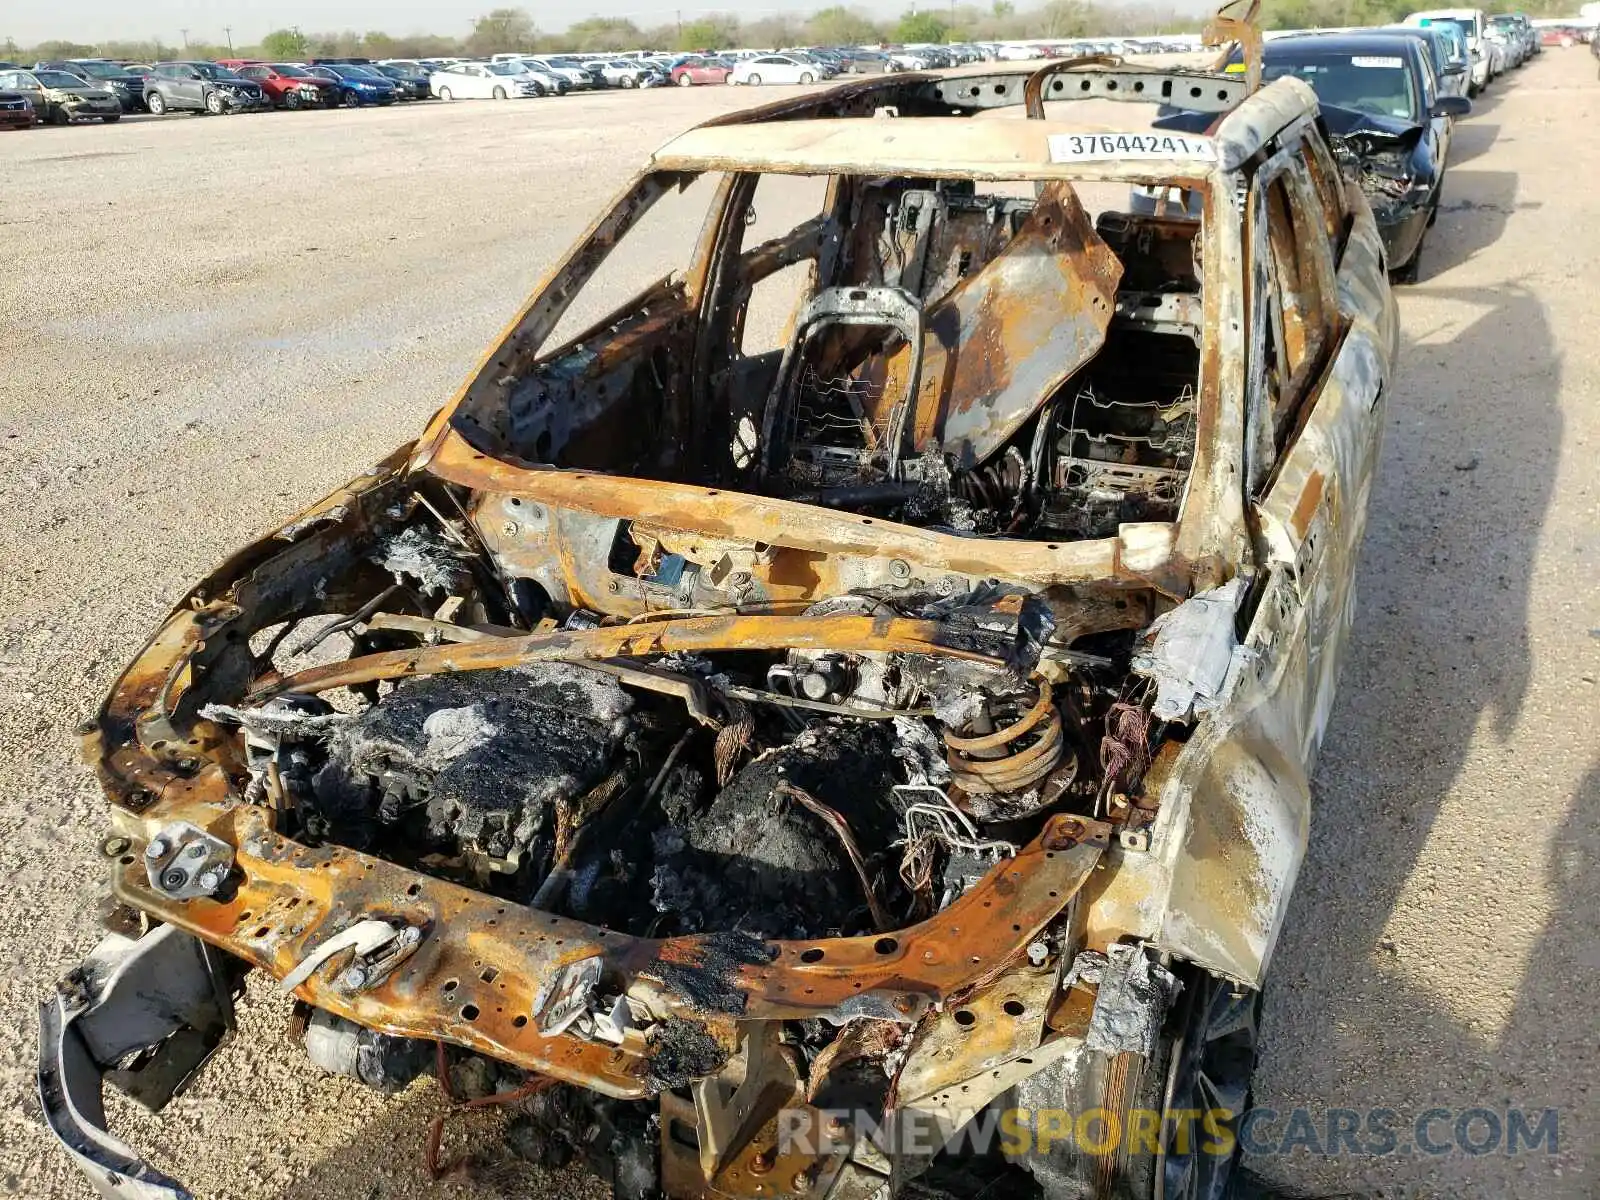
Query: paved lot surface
[{"x": 206, "y": 323}]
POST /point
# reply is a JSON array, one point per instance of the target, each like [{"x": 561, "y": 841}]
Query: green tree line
[{"x": 514, "y": 29}]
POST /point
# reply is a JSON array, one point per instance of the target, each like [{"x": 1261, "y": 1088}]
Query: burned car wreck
[{"x": 740, "y": 749}]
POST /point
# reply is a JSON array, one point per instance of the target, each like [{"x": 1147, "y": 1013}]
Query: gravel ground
[{"x": 209, "y": 322}]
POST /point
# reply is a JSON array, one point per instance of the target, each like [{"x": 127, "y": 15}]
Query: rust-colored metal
[
  {"x": 1008, "y": 336},
  {"x": 483, "y": 963},
  {"x": 805, "y": 527},
  {"x": 1238, "y": 23},
  {"x": 1013, "y": 758},
  {"x": 690, "y": 635},
  {"x": 1123, "y": 1076},
  {"x": 1309, "y": 501}
]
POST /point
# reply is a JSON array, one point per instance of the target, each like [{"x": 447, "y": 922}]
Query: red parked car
[
  {"x": 1562, "y": 35},
  {"x": 286, "y": 85},
  {"x": 697, "y": 68}
]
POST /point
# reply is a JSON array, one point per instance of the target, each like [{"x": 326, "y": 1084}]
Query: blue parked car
[{"x": 357, "y": 85}]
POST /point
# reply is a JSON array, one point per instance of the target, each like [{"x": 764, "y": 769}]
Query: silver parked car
[
  {"x": 60, "y": 97},
  {"x": 201, "y": 87}
]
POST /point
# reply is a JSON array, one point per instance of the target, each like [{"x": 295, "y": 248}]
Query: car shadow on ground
[
  {"x": 1472, "y": 216},
  {"x": 1440, "y": 655},
  {"x": 1469, "y": 139}
]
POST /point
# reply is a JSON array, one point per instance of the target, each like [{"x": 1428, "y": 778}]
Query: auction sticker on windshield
[{"x": 1097, "y": 147}]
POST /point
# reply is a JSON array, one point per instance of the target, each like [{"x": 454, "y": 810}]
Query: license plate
[{"x": 1101, "y": 147}]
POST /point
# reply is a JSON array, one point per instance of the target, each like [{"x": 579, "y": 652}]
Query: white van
[{"x": 1471, "y": 22}]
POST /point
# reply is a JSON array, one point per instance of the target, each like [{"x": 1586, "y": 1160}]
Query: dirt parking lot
[{"x": 209, "y": 322}]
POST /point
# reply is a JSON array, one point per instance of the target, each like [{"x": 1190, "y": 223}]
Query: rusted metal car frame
[{"x": 989, "y": 995}]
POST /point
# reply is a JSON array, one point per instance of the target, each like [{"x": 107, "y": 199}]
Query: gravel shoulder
[{"x": 207, "y": 323}]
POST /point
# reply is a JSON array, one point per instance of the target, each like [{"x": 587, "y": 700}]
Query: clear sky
[{"x": 31, "y": 21}]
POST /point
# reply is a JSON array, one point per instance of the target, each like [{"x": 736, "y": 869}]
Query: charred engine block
[
  {"x": 797, "y": 844},
  {"x": 828, "y": 793},
  {"x": 486, "y": 771}
]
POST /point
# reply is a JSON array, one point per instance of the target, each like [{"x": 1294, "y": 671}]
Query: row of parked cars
[
  {"x": 102, "y": 89},
  {"x": 105, "y": 90},
  {"x": 1390, "y": 96},
  {"x": 1478, "y": 46},
  {"x": 1475, "y": 48}
]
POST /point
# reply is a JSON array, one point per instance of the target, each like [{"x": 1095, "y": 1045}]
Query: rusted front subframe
[{"x": 484, "y": 965}]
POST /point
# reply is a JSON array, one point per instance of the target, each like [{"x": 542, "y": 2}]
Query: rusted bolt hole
[
  {"x": 469, "y": 1012},
  {"x": 488, "y": 975},
  {"x": 886, "y": 945},
  {"x": 813, "y": 955},
  {"x": 1014, "y": 1008},
  {"x": 519, "y": 1021},
  {"x": 966, "y": 1018},
  {"x": 451, "y": 985}
]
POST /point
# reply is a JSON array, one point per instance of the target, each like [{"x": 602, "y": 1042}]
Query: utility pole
[
  {"x": 185, "y": 33},
  {"x": 228, "y": 32}
]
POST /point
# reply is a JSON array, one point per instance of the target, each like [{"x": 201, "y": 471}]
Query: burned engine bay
[
  {"x": 807, "y": 794},
  {"x": 733, "y": 800},
  {"x": 788, "y": 789},
  {"x": 671, "y": 725}
]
